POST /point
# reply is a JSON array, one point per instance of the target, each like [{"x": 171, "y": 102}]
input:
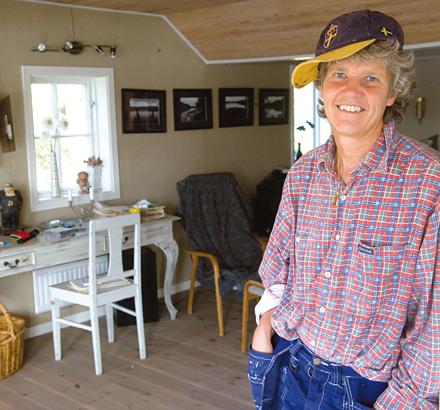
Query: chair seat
[{"x": 66, "y": 291}]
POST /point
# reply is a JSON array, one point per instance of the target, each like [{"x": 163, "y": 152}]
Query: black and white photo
[
  {"x": 236, "y": 107},
  {"x": 143, "y": 111},
  {"x": 192, "y": 109},
  {"x": 273, "y": 106}
]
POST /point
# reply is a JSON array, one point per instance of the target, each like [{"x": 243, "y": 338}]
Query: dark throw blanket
[{"x": 217, "y": 220}]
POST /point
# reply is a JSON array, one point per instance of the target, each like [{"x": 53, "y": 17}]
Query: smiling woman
[
  {"x": 399, "y": 66},
  {"x": 355, "y": 97},
  {"x": 358, "y": 221}
]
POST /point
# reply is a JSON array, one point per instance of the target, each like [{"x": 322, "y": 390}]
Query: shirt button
[
  {"x": 322, "y": 309},
  {"x": 297, "y": 239},
  {"x": 327, "y": 274},
  {"x": 338, "y": 237}
]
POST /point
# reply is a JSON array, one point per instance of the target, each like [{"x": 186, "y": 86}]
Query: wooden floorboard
[{"x": 188, "y": 366}]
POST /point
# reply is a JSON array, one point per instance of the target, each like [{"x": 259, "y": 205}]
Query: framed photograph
[
  {"x": 192, "y": 109},
  {"x": 236, "y": 107},
  {"x": 273, "y": 106},
  {"x": 143, "y": 111}
]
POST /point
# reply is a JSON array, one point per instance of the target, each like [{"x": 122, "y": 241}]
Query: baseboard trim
[{"x": 84, "y": 316}]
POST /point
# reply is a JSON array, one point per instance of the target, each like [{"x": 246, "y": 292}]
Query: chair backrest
[
  {"x": 114, "y": 226},
  {"x": 217, "y": 219}
]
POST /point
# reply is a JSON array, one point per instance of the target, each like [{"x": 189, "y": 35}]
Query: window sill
[{"x": 55, "y": 203}]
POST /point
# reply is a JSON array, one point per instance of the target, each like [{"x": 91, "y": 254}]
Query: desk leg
[{"x": 171, "y": 251}]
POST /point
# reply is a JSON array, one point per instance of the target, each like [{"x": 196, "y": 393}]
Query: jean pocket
[
  {"x": 362, "y": 393},
  {"x": 263, "y": 371}
]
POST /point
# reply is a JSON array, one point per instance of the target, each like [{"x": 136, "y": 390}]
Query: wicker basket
[{"x": 11, "y": 342}]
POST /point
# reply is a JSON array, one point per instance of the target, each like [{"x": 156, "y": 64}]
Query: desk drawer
[{"x": 17, "y": 261}]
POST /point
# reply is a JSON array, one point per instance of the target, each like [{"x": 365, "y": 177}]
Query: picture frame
[
  {"x": 236, "y": 107},
  {"x": 273, "y": 107},
  {"x": 192, "y": 109},
  {"x": 143, "y": 111}
]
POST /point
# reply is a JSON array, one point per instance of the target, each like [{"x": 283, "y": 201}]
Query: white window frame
[
  {"x": 81, "y": 73},
  {"x": 321, "y": 131}
]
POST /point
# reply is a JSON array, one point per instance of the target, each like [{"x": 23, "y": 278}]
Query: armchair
[{"x": 217, "y": 221}]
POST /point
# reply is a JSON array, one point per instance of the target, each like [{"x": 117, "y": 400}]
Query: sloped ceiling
[{"x": 269, "y": 29}]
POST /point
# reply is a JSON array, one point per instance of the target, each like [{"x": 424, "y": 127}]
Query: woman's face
[{"x": 355, "y": 95}]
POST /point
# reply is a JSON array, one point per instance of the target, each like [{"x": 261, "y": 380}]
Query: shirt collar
[{"x": 376, "y": 159}]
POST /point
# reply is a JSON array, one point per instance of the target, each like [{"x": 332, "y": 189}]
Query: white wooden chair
[{"x": 103, "y": 290}]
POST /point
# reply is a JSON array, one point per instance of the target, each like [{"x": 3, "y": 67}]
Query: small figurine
[
  {"x": 10, "y": 204},
  {"x": 83, "y": 182}
]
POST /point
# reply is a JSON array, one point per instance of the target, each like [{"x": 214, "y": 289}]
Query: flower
[
  {"x": 93, "y": 161},
  {"x": 53, "y": 125}
]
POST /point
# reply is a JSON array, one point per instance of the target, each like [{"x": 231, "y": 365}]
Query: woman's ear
[{"x": 390, "y": 100}]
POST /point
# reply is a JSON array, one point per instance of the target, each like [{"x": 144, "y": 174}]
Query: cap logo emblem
[
  {"x": 330, "y": 35},
  {"x": 386, "y": 32}
]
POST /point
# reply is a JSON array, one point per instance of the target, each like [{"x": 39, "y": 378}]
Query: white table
[{"x": 38, "y": 253}]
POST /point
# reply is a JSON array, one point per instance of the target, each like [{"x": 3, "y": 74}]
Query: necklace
[
  {"x": 340, "y": 184},
  {"x": 339, "y": 192}
]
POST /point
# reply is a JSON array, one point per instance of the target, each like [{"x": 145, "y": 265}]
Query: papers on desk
[
  {"x": 149, "y": 210},
  {"x": 103, "y": 210}
]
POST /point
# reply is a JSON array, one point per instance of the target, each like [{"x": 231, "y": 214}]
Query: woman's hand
[{"x": 261, "y": 341}]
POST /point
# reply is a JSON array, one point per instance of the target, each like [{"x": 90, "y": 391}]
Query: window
[
  {"x": 309, "y": 129},
  {"x": 70, "y": 117}
]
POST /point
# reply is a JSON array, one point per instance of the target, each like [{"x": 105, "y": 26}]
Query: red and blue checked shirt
[{"x": 362, "y": 274}]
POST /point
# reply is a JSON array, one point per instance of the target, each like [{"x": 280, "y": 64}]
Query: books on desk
[
  {"x": 82, "y": 284},
  {"x": 154, "y": 212},
  {"x": 147, "y": 213},
  {"x": 102, "y": 210}
]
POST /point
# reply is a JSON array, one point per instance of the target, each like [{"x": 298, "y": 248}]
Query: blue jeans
[{"x": 293, "y": 377}]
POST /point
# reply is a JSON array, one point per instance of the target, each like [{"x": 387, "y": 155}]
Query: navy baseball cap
[{"x": 344, "y": 36}]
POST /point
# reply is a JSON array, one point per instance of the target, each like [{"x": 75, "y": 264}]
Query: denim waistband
[{"x": 298, "y": 346}]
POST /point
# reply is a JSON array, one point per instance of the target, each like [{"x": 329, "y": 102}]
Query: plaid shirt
[{"x": 361, "y": 274}]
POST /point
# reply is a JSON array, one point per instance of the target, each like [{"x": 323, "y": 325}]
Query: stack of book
[
  {"x": 148, "y": 210},
  {"x": 153, "y": 212},
  {"x": 102, "y": 210}
]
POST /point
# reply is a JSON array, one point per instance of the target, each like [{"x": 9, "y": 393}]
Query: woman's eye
[
  {"x": 371, "y": 78},
  {"x": 339, "y": 74}
]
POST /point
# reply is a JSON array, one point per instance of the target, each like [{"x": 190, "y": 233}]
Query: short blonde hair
[{"x": 400, "y": 66}]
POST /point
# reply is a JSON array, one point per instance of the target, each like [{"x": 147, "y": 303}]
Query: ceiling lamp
[{"x": 75, "y": 47}]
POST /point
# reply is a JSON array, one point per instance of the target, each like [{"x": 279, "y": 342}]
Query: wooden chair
[
  {"x": 103, "y": 290},
  {"x": 252, "y": 290},
  {"x": 195, "y": 255}
]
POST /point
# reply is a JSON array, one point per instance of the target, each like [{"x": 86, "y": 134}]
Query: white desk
[{"x": 38, "y": 253}]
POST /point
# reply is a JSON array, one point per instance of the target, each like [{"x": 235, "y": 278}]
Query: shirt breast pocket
[{"x": 374, "y": 275}]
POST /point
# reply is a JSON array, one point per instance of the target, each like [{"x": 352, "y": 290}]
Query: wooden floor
[{"x": 188, "y": 366}]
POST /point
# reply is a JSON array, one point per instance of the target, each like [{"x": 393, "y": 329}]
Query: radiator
[{"x": 43, "y": 278}]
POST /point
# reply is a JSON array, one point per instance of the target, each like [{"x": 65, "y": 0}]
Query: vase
[
  {"x": 95, "y": 177},
  {"x": 54, "y": 174}
]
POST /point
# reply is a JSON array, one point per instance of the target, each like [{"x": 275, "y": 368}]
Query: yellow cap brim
[{"x": 307, "y": 71}]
